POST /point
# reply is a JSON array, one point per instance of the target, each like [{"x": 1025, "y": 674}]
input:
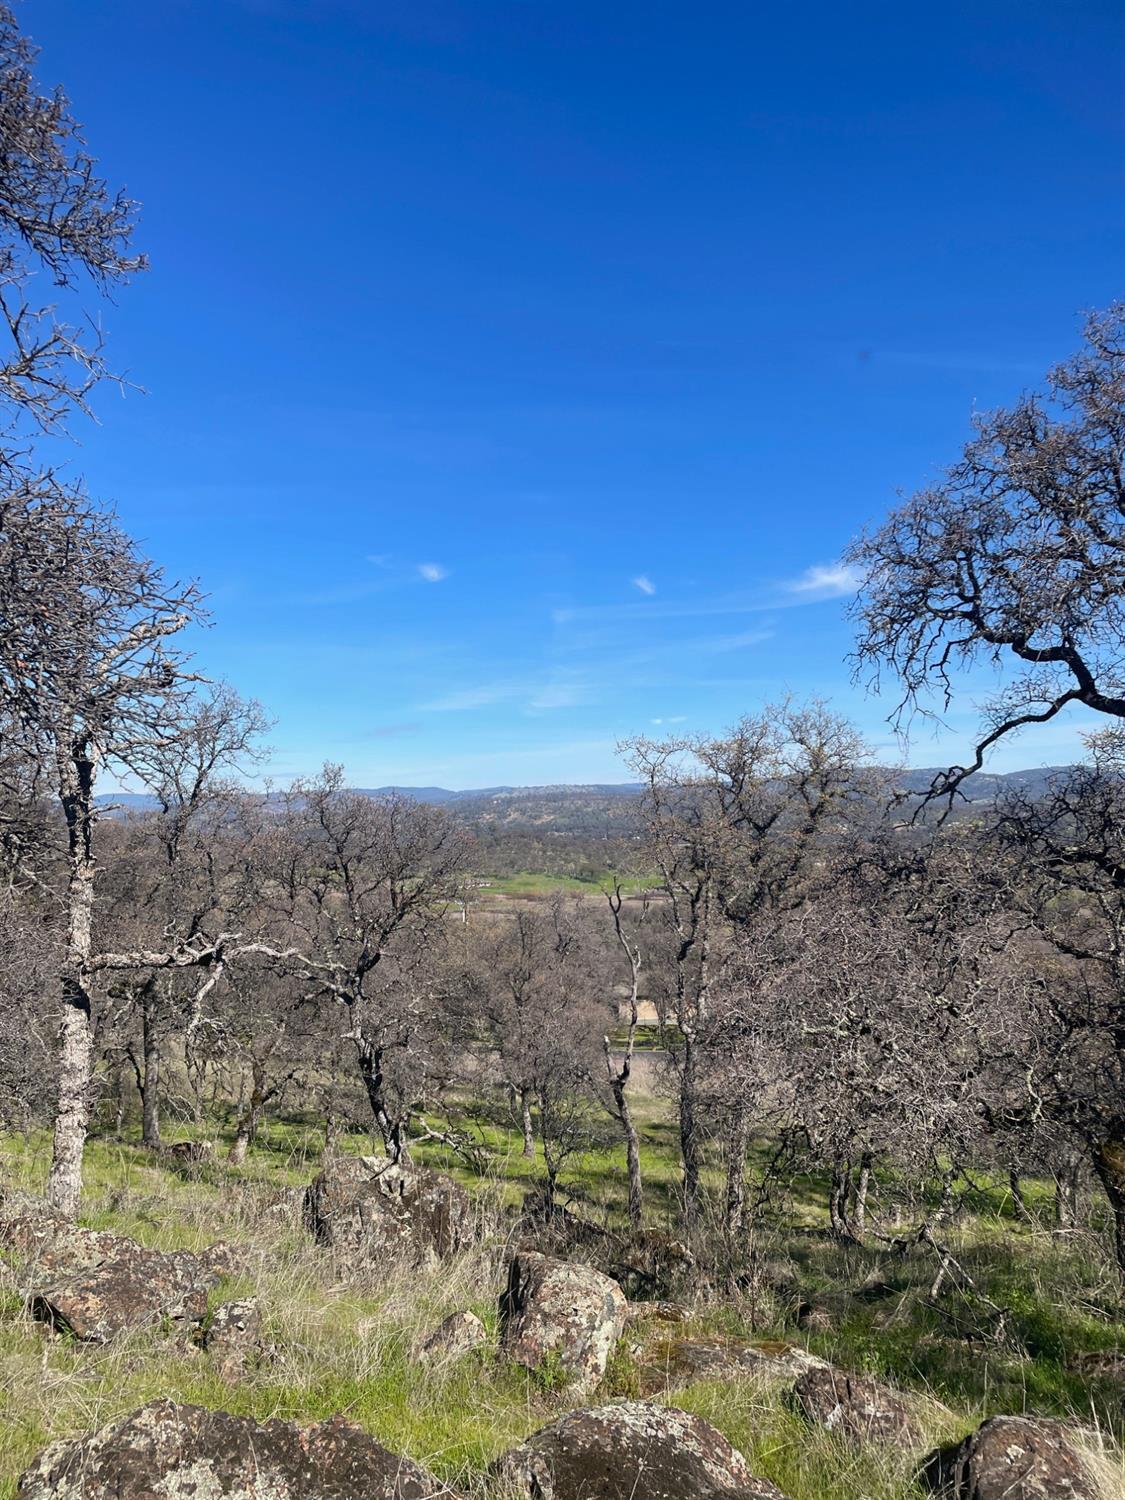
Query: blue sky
[{"x": 516, "y": 372}]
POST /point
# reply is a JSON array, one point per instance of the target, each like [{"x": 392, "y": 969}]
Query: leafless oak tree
[{"x": 1016, "y": 558}]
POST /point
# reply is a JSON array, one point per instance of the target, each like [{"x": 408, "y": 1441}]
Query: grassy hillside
[{"x": 342, "y": 1344}]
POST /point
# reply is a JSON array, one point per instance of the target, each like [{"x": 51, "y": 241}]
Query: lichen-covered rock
[
  {"x": 225, "y": 1259},
  {"x": 854, "y": 1406},
  {"x": 634, "y": 1451},
  {"x": 42, "y": 1241},
  {"x": 555, "y": 1310},
  {"x": 175, "y": 1452},
  {"x": 671, "y": 1361},
  {"x": 131, "y": 1287},
  {"x": 233, "y": 1336},
  {"x": 458, "y": 1335},
  {"x": 368, "y": 1208},
  {"x": 1010, "y": 1458}
]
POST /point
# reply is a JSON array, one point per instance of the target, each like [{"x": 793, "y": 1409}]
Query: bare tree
[
  {"x": 88, "y": 678},
  {"x": 1015, "y": 559},
  {"x": 358, "y": 890},
  {"x": 735, "y": 826},
  {"x": 619, "y": 1067},
  {"x": 60, "y": 219},
  {"x": 1069, "y": 846}
]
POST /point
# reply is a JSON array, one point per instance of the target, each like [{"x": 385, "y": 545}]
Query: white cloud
[
  {"x": 433, "y": 572},
  {"x": 826, "y": 581},
  {"x": 645, "y": 585},
  {"x": 670, "y": 719}
]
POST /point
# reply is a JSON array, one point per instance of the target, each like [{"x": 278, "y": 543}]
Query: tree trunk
[
  {"x": 839, "y": 1190},
  {"x": 862, "y": 1188},
  {"x": 247, "y": 1127},
  {"x": 1068, "y": 1177},
  {"x": 632, "y": 1151},
  {"x": 76, "y": 1035},
  {"x": 150, "y": 1083},
  {"x": 738, "y": 1138},
  {"x": 392, "y": 1130},
  {"x": 527, "y": 1124},
  {"x": 689, "y": 1135},
  {"x": 1109, "y": 1164}
]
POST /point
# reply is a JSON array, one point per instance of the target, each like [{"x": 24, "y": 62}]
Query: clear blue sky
[{"x": 516, "y": 372}]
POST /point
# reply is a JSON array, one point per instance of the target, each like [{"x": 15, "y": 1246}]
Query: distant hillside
[{"x": 575, "y": 806}]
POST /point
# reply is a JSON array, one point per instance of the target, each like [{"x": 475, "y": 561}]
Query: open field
[{"x": 343, "y": 1344}]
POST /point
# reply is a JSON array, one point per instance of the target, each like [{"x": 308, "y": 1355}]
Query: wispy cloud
[
  {"x": 433, "y": 572},
  {"x": 826, "y": 581},
  {"x": 466, "y": 698},
  {"x": 560, "y": 695},
  {"x": 670, "y": 719},
  {"x": 644, "y": 583},
  {"x": 531, "y": 694}
]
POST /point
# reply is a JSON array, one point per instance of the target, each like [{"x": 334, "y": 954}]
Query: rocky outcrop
[
  {"x": 634, "y": 1451},
  {"x": 553, "y": 1310},
  {"x": 458, "y": 1335},
  {"x": 368, "y": 1209},
  {"x": 854, "y": 1406},
  {"x": 669, "y": 1362},
  {"x": 233, "y": 1336},
  {"x": 1010, "y": 1458},
  {"x": 177, "y": 1451}
]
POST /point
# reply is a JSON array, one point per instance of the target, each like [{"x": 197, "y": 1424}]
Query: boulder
[
  {"x": 169, "y": 1450},
  {"x": 233, "y": 1336},
  {"x": 131, "y": 1287},
  {"x": 553, "y": 1309},
  {"x": 458, "y": 1335},
  {"x": 1010, "y": 1458},
  {"x": 634, "y": 1451},
  {"x": 43, "y": 1241},
  {"x": 368, "y": 1208},
  {"x": 668, "y": 1363},
  {"x": 855, "y": 1406}
]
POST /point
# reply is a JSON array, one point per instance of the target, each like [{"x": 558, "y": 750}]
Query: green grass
[{"x": 342, "y": 1344}]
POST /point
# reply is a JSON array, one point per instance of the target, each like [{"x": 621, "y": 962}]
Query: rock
[
  {"x": 668, "y": 1363},
  {"x": 95, "y": 1285},
  {"x": 634, "y": 1451},
  {"x": 370, "y": 1208},
  {"x": 555, "y": 1309},
  {"x": 226, "y": 1260},
  {"x": 460, "y": 1334},
  {"x": 651, "y": 1264},
  {"x": 1010, "y": 1458},
  {"x": 854, "y": 1406},
  {"x": 130, "y": 1288},
  {"x": 171, "y": 1451},
  {"x": 190, "y": 1153},
  {"x": 233, "y": 1336},
  {"x": 658, "y": 1312},
  {"x": 45, "y": 1242}
]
